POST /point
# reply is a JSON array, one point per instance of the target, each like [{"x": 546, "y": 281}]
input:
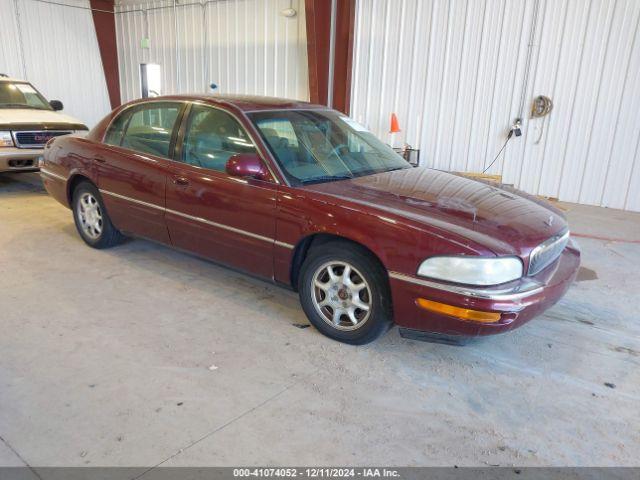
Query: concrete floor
[{"x": 105, "y": 359}]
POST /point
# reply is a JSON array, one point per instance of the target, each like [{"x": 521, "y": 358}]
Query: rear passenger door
[
  {"x": 228, "y": 219},
  {"x": 133, "y": 165}
]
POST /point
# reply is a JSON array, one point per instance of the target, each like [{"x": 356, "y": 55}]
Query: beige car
[{"x": 27, "y": 123}]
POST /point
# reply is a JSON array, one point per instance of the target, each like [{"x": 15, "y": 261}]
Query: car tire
[
  {"x": 91, "y": 218},
  {"x": 344, "y": 290}
]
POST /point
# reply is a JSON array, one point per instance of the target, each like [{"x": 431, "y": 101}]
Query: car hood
[
  {"x": 501, "y": 219},
  {"x": 14, "y": 117}
]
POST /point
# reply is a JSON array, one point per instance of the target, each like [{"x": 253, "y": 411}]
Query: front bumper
[
  {"x": 14, "y": 159},
  {"x": 517, "y": 302}
]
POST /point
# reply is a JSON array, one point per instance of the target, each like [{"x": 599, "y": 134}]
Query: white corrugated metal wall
[
  {"x": 453, "y": 71},
  {"x": 55, "y": 48},
  {"x": 244, "y": 46}
]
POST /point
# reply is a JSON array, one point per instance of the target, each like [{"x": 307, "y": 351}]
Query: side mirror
[
  {"x": 56, "y": 105},
  {"x": 247, "y": 165}
]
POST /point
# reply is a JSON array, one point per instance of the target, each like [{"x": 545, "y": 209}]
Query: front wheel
[
  {"x": 92, "y": 222},
  {"x": 344, "y": 292}
]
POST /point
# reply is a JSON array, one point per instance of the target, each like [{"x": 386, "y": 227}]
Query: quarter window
[
  {"x": 212, "y": 137},
  {"x": 150, "y": 128},
  {"x": 116, "y": 129}
]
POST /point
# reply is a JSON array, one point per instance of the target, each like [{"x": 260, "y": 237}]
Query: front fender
[{"x": 399, "y": 245}]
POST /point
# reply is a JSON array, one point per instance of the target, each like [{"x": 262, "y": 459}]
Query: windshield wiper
[{"x": 326, "y": 178}]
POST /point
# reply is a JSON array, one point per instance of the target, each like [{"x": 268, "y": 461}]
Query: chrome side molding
[
  {"x": 198, "y": 219},
  {"x": 44, "y": 171}
]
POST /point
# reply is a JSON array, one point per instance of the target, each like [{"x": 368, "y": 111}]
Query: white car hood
[{"x": 9, "y": 116}]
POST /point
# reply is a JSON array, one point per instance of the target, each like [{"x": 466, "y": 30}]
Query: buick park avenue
[{"x": 306, "y": 197}]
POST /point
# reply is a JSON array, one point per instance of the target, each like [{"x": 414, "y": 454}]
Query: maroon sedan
[{"x": 305, "y": 196}]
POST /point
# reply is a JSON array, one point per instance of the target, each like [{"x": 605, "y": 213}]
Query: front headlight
[
  {"x": 5, "y": 139},
  {"x": 472, "y": 270}
]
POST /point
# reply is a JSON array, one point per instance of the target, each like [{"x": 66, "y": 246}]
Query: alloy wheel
[
  {"x": 90, "y": 215},
  {"x": 341, "y": 295}
]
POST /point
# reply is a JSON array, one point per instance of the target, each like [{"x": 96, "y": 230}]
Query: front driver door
[{"x": 228, "y": 219}]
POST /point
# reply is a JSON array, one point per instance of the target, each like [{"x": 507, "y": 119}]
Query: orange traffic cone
[{"x": 395, "y": 126}]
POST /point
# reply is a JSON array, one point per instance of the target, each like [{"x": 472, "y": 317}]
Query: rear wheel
[
  {"x": 344, "y": 292},
  {"x": 92, "y": 222}
]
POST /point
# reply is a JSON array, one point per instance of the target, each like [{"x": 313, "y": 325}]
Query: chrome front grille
[
  {"x": 547, "y": 252},
  {"x": 36, "y": 139}
]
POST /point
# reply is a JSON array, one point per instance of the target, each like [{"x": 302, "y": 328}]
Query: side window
[
  {"x": 212, "y": 137},
  {"x": 150, "y": 129},
  {"x": 116, "y": 129}
]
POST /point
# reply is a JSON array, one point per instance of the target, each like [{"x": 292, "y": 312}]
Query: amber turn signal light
[{"x": 463, "y": 313}]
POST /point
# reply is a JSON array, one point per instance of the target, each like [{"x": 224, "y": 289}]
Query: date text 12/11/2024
[{"x": 316, "y": 472}]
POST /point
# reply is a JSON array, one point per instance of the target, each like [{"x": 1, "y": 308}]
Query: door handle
[
  {"x": 99, "y": 159},
  {"x": 182, "y": 181}
]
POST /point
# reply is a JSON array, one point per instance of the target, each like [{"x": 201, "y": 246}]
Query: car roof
[
  {"x": 245, "y": 103},
  {"x": 9, "y": 79}
]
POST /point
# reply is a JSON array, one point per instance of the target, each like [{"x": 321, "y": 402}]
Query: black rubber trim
[{"x": 432, "y": 337}]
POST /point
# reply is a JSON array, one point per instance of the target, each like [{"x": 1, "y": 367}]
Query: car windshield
[
  {"x": 314, "y": 146},
  {"x": 21, "y": 95}
]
